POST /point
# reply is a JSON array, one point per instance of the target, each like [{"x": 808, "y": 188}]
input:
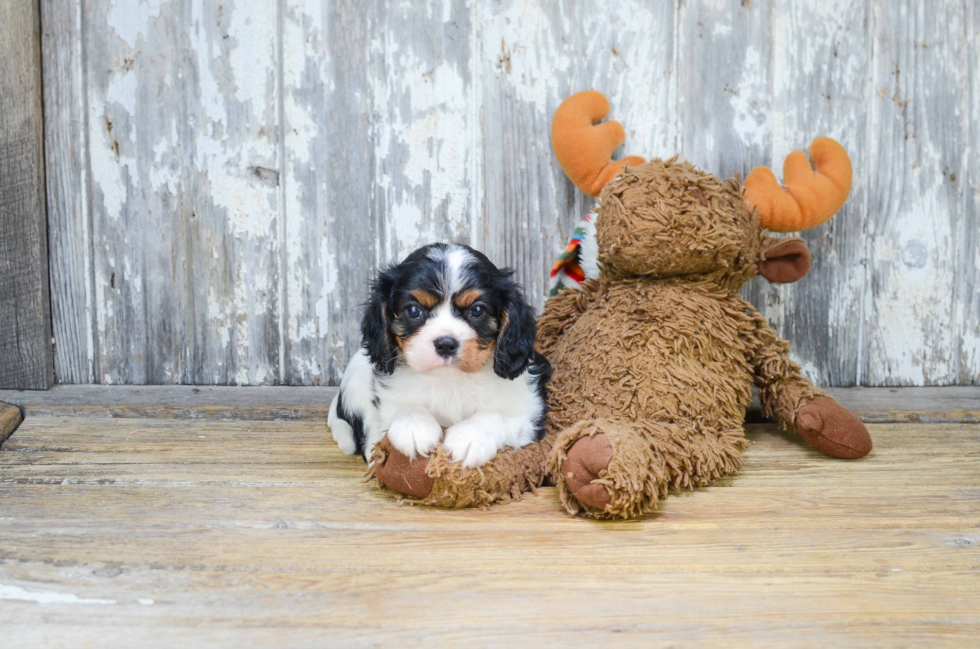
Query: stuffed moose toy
[{"x": 654, "y": 351}]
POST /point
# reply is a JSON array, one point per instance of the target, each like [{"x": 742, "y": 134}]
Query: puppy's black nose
[{"x": 446, "y": 346}]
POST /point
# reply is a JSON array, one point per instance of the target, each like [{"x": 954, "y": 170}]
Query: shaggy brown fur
[
  {"x": 654, "y": 362},
  {"x": 437, "y": 480}
]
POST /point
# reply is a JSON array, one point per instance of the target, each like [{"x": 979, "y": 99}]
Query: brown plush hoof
[
  {"x": 585, "y": 460},
  {"x": 832, "y": 429},
  {"x": 398, "y": 473}
]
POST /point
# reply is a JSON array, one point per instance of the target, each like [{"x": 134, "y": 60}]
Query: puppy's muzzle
[{"x": 446, "y": 346}]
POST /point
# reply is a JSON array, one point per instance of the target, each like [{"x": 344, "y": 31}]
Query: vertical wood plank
[
  {"x": 134, "y": 105},
  {"x": 821, "y": 86},
  {"x": 67, "y": 178},
  {"x": 967, "y": 287},
  {"x": 332, "y": 217},
  {"x": 183, "y": 146},
  {"x": 918, "y": 201},
  {"x": 231, "y": 204},
  {"x": 25, "y": 320},
  {"x": 532, "y": 56}
]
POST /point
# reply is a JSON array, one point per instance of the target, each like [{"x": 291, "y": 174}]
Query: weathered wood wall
[
  {"x": 26, "y": 360},
  {"x": 225, "y": 175}
]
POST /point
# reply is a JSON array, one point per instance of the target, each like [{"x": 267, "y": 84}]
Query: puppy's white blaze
[
  {"x": 455, "y": 260},
  {"x": 420, "y": 351}
]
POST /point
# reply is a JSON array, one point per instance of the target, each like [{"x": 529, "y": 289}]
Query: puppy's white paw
[
  {"x": 470, "y": 443},
  {"x": 342, "y": 432},
  {"x": 415, "y": 433}
]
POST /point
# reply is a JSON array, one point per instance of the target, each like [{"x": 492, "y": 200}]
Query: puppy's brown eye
[
  {"x": 478, "y": 311},
  {"x": 413, "y": 312}
]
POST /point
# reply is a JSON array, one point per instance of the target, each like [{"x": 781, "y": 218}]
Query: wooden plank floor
[{"x": 170, "y": 532}]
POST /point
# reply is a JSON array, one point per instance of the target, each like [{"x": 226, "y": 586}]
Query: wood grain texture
[
  {"x": 871, "y": 405},
  {"x": 26, "y": 359},
  {"x": 919, "y": 224},
  {"x": 204, "y": 533},
  {"x": 264, "y": 160},
  {"x": 67, "y": 177},
  {"x": 333, "y": 221}
]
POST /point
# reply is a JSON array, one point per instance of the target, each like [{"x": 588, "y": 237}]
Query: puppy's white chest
[{"x": 450, "y": 397}]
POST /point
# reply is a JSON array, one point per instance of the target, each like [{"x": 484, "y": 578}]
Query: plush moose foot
[
  {"x": 395, "y": 471},
  {"x": 588, "y": 460},
  {"x": 439, "y": 481},
  {"x": 618, "y": 468},
  {"x": 832, "y": 429}
]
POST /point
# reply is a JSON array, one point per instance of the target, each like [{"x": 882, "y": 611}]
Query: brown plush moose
[{"x": 654, "y": 351}]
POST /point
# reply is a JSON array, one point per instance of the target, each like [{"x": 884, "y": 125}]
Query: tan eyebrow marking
[
  {"x": 467, "y": 298},
  {"x": 426, "y": 299}
]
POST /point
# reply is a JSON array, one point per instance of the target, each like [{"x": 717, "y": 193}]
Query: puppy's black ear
[
  {"x": 376, "y": 336},
  {"x": 515, "y": 342}
]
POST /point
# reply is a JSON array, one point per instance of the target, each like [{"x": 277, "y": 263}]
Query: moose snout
[{"x": 446, "y": 346}]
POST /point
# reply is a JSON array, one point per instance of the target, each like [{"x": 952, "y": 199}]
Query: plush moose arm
[
  {"x": 561, "y": 312},
  {"x": 782, "y": 389},
  {"x": 799, "y": 405}
]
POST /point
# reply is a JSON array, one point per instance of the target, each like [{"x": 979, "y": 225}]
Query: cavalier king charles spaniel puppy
[{"x": 447, "y": 343}]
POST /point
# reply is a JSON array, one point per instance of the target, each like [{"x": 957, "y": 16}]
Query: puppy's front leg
[
  {"x": 414, "y": 431},
  {"x": 473, "y": 442}
]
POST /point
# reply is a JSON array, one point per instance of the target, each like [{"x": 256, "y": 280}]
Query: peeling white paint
[
  {"x": 521, "y": 46},
  {"x": 721, "y": 29},
  {"x": 253, "y": 34},
  {"x": 422, "y": 147},
  {"x": 749, "y": 100},
  {"x": 112, "y": 171},
  {"x": 914, "y": 312},
  {"x": 218, "y": 318},
  {"x": 16, "y": 593},
  {"x": 223, "y": 239},
  {"x": 131, "y": 20}
]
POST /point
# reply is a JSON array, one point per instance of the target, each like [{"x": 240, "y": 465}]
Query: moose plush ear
[
  {"x": 583, "y": 146},
  {"x": 785, "y": 262},
  {"x": 811, "y": 194},
  {"x": 376, "y": 336}
]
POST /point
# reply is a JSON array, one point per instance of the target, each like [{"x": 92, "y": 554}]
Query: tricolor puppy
[{"x": 447, "y": 342}]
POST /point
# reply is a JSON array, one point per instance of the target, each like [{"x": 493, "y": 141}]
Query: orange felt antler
[
  {"x": 811, "y": 195},
  {"x": 583, "y": 146}
]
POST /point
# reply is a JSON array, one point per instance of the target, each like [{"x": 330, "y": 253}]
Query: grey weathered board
[
  {"x": 25, "y": 321},
  {"x": 224, "y": 176},
  {"x": 951, "y": 404}
]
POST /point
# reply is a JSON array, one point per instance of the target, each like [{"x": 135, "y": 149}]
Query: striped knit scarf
[{"x": 580, "y": 259}]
